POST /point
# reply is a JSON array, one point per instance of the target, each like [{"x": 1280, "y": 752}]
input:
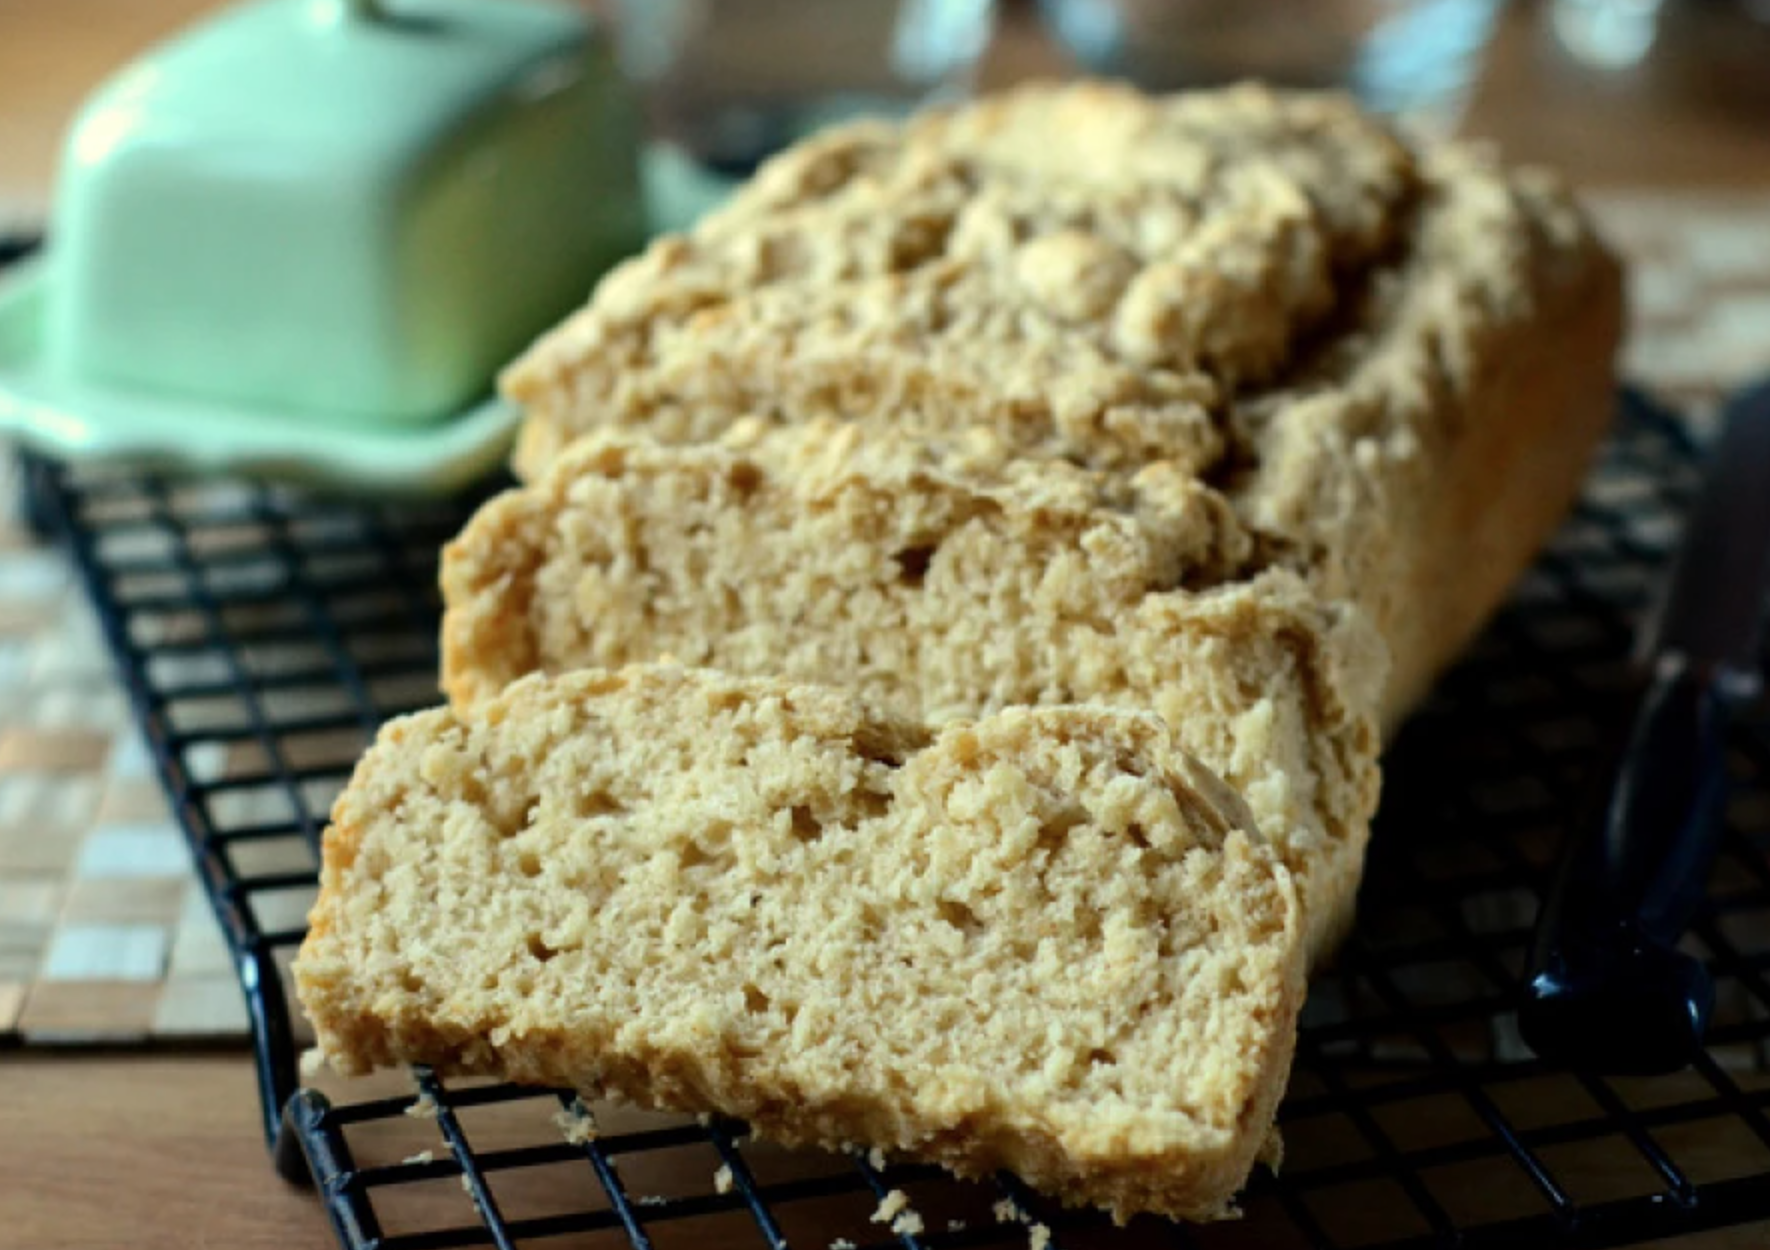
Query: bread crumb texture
[
  {"x": 1048, "y": 940},
  {"x": 940, "y": 581}
]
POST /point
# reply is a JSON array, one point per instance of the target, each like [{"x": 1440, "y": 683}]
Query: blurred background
[{"x": 1615, "y": 92}]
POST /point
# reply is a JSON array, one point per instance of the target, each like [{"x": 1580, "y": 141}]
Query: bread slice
[
  {"x": 1392, "y": 362},
  {"x": 939, "y": 582},
  {"x": 1047, "y": 941}
]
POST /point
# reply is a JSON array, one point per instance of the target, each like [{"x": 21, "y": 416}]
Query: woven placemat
[{"x": 104, "y": 935}]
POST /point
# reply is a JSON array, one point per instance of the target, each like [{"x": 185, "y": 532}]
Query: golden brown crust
[
  {"x": 1535, "y": 420},
  {"x": 1415, "y": 466},
  {"x": 1047, "y": 941}
]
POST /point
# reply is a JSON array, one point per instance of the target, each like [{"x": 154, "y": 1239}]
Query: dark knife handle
[{"x": 1607, "y": 989}]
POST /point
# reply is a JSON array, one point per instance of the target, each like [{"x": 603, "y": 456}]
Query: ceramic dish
[{"x": 85, "y": 421}]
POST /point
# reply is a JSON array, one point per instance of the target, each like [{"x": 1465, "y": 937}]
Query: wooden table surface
[
  {"x": 161, "y": 1149},
  {"x": 141, "y": 1151}
]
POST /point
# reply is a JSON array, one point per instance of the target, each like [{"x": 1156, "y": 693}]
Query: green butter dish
[
  {"x": 304, "y": 235},
  {"x": 83, "y": 421}
]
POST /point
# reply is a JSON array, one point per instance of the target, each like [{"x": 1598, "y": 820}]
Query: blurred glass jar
[
  {"x": 1714, "y": 51},
  {"x": 727, "y": 83},
  {"x": 1414, "y": 60}
]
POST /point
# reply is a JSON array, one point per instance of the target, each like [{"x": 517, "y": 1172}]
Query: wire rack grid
[{"x": 263, "y": 634}]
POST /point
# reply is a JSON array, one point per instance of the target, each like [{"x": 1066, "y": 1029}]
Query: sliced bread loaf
[
  {"x": 1047, "y": 941},
  {"x": 1392, "y": 361},
  {"x": 939, "y": 583}
]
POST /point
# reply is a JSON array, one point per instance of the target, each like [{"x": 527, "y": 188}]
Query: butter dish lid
[{"x": 366, "y": 81}]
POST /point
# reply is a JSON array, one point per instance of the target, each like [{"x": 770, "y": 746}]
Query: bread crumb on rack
[
  {"x": 312, "y": 1063},
  {"x": 889, "y": 1206},
  {"x": 894, "y": 1209},
  {"x": 1039, "y": 1237},
  {"x": 423, "y": 1156},
  {"x": 576, "y": 1123},
  {"x": 423, "y": 1106},
  {"x": 722, "y": 1179}
]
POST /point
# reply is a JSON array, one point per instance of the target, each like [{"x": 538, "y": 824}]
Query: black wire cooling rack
[{"x": 263, "y": 633}]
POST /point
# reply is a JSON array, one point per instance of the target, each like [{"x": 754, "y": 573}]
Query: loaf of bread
[
  {"x": 1047, "y": 940},
  {"x": 1061, "y": 492},
  {"x": 940, "y": 582},
  {"x": 1391, "y": 362}
]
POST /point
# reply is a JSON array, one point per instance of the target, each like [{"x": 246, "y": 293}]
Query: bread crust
[{"x": 1536, "y": 416}]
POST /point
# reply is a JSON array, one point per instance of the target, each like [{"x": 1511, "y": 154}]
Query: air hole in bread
[
  {"x": 959, "y": 916},
  {"x": 755, "y": 1001},
  {"x": 870, "y": 804},
  {"x": 1057, "y": 827},
  {"x": 692, "y": 856},
  {"x": 539, "y": 949},
  {"x": 1100, "y": 1057},
  {"x": 593, "y": 803},
  {"x": 912, "y": 564},
  {"x": 745, "y": 478},
  {"x": 529, "y": 864},
  {"x": 875, "y": 749},
  {"x": 805, "y": 826},
  {"x": 1066, "y": 818}
]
